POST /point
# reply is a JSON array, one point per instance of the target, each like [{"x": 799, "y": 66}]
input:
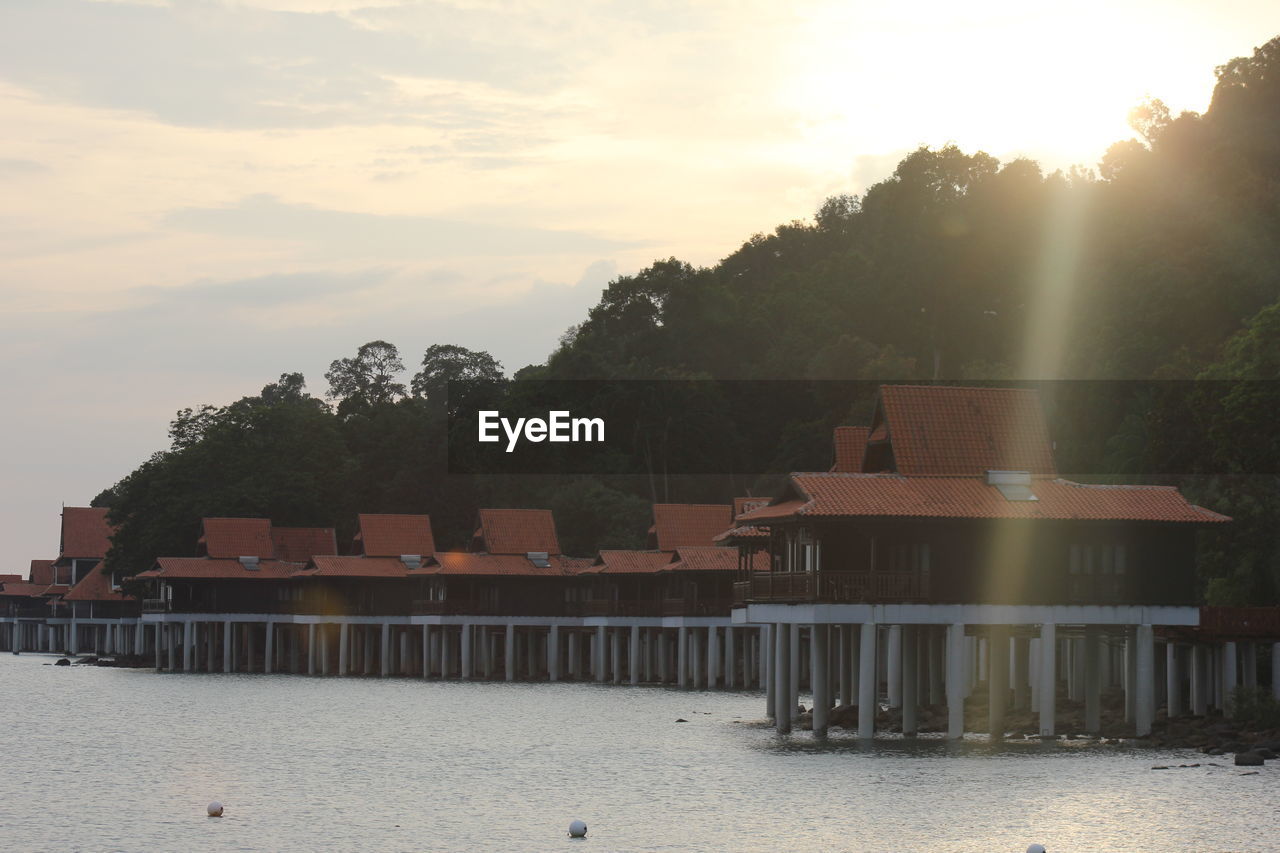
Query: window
[{"x": 1096, "y": 571}]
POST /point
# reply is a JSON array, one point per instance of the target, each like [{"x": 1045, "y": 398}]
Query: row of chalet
[{"x": 950, "y": 495}]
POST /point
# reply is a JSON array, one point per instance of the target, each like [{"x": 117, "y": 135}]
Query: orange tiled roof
[
  {"x": 22, "y": 588},
  {"x": 677, "y": 525},
  {"x": 299, "y": 544},
  {"x": 944, "y": 431},
  {"x": 850, "y": 444},
  {"x": 892, "y": 495},
  {"x": 95, "y": 586},
  {"x": 631, "y": 562},
  {"x": 56, "y": 589},
  {"x": 363, "y": 567},
  {"x": 194, "y": 568},
  {"x": 384, "y": 535},
  {"x": 713, "y": 559},
  {"x": 41, "y": 571},
  {"x": 12, "y": 579},
  {"x": 467, "y": 563},
  {"x": 237, "y": 537},
  {"x": 516, "y": 531},
  {"x": 85, "y": 533}
]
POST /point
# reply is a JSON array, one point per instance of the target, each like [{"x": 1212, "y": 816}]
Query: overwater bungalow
[{"x": 956, "y": 546}]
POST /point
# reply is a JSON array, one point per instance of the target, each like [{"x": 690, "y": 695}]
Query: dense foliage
[{"x": 1164, "y": 263}]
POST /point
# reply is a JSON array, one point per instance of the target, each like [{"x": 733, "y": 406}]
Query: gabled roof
[
  {"x": 630, "y": 562},
  {"x": 222, "y": 568},
  {"x": 85, "y": 533},
  {"x": 944, "y": 431},
  {"x": 41, "y": 571},
  {"x": 299, "y": 544},
  {"x": 713, "y": 559},
  {"x": 95, "y": 586},
  {"x": 743, "y": 531},
  {"x": 22, "y": 589},
  {"x": 237, "y": 537},
  {"x": 12, "y": 579},
  {"x": 850, "y": 444},
  {"x": 364, "y": 567},
  {"x": 677, "y": 525},
  {"x": 516, "y": 531},
  {"x": 385, "y": 535},
  {"x": 469, "y": 563},
  {"x": 894, "y": 496}
]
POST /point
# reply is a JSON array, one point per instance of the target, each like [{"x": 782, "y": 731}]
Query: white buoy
[
  {"x": 578, "y": 829},
  {"x": 215, "y": 809},
  {"x": 1036, "y": 848}
]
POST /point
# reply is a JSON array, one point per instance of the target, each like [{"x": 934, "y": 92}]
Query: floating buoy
[
  {"x": 1036, "y": 848},
  {"x": 215, "y": 809},
  {"x": 578, "y": 829}
]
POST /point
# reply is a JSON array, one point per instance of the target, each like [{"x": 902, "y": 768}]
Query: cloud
[
  {"x": 206, "y": 64},
  {"x": 336, "y": 234}
]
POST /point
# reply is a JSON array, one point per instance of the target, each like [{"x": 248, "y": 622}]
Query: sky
[{"x": 197, "y": 196}]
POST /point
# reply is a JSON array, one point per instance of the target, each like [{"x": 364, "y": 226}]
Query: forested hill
[
  {"x": 1154, "y": 259},
  {"x": 1163, "y": 262}
]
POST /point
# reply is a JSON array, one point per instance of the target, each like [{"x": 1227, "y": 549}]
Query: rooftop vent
[
  {"x": 411, "y": 561},
  {"x": 1014, "y": 485},
  {"x": 539, "y": 559},
  {"x": 250, "y": 563}
]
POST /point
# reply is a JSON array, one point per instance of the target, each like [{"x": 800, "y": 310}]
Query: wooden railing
[
  {"x": 1228, "y": 622},
  {"x": 154, "y": 605},
  {"x": 840, "y": 587}
]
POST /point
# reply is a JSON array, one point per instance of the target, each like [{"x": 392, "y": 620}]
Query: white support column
[
  {"x": 1199, "y": 680},
  {"x": 634, "y": 649},
  {"x": 713, "y": 657},
  {"x": 768, "y": 657},
  {"x": 601, "y": 660},
  {"x": 957, "y": 671},
  {"x": 446, "y": 652},
  {"x": 794, "y": 668},
  {"x": 867, "y": 700},
  {"x": 311, "y": 649},
  {"x": 1172, "y": 679},
  {"x": 384, "y": 649},
  {"x": 997, "y": 680},
  {"x": 664, "y": 657},
  {"x": 782, "y": 677},
  {"x": 170, "y": 644},
  {"x": 188, "y": 644},
  {"x": 1130, "y": 675},
  {"x": 1048, "y": 678},
  {"x": 574, "y": 655},
  {"x": 467, "y": 647},
  {"x": 844, "y": 681},
  {"x": 405, "y": 651},
  {"x": 269, "y": 648},
  {"x": 1275, "y": 671},
  {"x": 615, "y": 656},
  {"x": 1229, "y": 680},
  {"x": 553, "y": 653},
  {"x": 853, "y": 653},
  {"x": 228, "y": 663},
  {"x": 910, "y": 679},
  {"x": 139, "y": 639},
  {"x": 1145, "y": 708},
  {"x": 509, "y": 652},
  {"x": 730, "y": 659},
  {"x": 1093, "y": 679},
  {"x": 893, "y": 666},
  {"x": 820, "y": 678},
  {"x": 1249, "y": 664},
  {"x": 695, "y": 655},
  {"x": 682, "y": 657}
]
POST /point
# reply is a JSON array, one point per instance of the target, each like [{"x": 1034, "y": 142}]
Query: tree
[
  {"x": 445, "y": 363},
  {"x": 366, "y": 380}
]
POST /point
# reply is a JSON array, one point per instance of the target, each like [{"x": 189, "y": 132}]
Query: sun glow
[{"x": 1001, "y": 77}]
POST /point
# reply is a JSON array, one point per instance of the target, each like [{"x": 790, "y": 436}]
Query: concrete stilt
[
  {"x": 956, "y": 679},
  {"x": 768, "y": 656},
  {"x": 844, "y": 671},
  {"x": 615, "y": 656},
  {"x": 793, "y": 683},
  {"x": 867, "y": 700},
  {"x": 1249, "y": 664},
  {"x": 228, "y": 662},
  {"x": 1093, "y": 679},
  {"x": 682, "y": 657},
  {"x": 509, "y": 653},
  {"x": 853, "y": 656},
  {"x": 553, "y": 653},
  {"x": 664, "y": 657},
  {"x": 997, "y": 680},
  {"x": 820, "y": 678},
  {"x": 446, "y": 652},
  {"x": 634, "y": 648},
  {"x": 713, "y": 657},
  {"x": 1022, "y": 672},
  {"x": 601, "y": 663},
  {"x": 696, "y": 659},
  {"x": 893, "y": 666},
  {"x": 269, "y": 648},
  {"x": 467, "y": 647},
  {"x": 1048, "y": 678},
  {"x": 910, "y": 679},
  {"x": 1173, "y": 679},
  {"x": 782, "y": 677},
  {"x": 1034, "y": 674},
  {"x": 311, "y": 649},
  {"x": 188, "y": 644},
  {"x": 1145, "y": 687},
  {"x": 1229, "y": 680},
  {"x": 730, "y": 659},
  {"x": 1275, "y": 671},
  {"x": 1130, "y": 675},
  {"x": 937, "y": 664}
]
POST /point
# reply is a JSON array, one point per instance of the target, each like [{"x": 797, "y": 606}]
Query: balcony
[
  {"x": 830, "y": 587},
  {"x": 155, "y": 605}
]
